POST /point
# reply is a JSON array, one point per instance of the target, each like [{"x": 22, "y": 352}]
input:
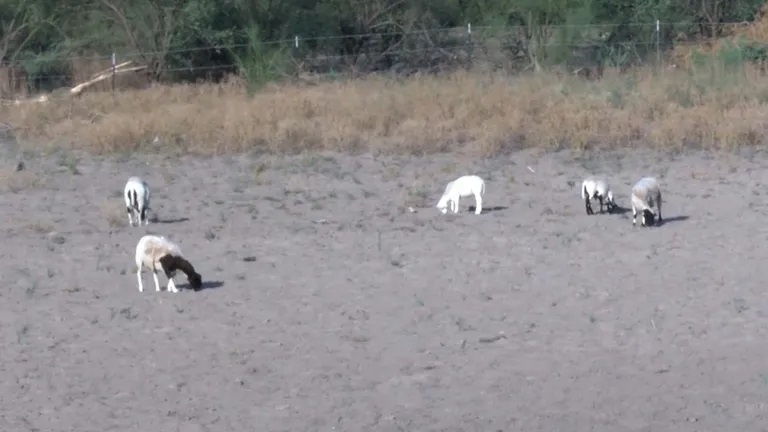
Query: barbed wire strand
[
  {"x": 463, "y": 29},
  {"x": 320, "y": 58},
  {"x": 302, "y": 40}
]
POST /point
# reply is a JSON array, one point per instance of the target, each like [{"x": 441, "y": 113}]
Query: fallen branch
[
  {"x": 78, "y": 89},
  {"x": 121, "y": 65},
  {"x": 492, "y": 339},
  {"x": 41, "y": 98}
]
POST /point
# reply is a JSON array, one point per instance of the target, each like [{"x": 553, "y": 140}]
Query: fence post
[
  {"x": 658, "y": 40},
  {"x": 295, "y": 55},
  {"x": 469, "y": 46},
  {"x": 114, "y": 62}
]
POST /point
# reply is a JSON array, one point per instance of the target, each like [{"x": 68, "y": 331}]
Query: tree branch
[{"x": 126, "y": 27}]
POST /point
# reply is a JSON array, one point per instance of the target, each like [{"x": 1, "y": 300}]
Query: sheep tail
[
  {"x": 130, "y": 195},
  {"x": 135, "y": 202}
]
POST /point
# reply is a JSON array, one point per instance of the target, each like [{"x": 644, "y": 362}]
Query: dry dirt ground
[{"x": 330, "y": 306}]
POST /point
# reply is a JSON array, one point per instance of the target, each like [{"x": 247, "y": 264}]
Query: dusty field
[{"x": 331, "y": 308}]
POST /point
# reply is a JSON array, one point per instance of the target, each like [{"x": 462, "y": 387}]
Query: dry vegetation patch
[
  {"x": 114, "y": 213},
  {"x": 15, "y": 181},
  {"x": 482, "y": 114}
]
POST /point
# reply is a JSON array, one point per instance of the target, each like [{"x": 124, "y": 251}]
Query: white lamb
[
  {"x": 597, "y": 188},
  {"x": 155, "y": 253},
  {"x": 137, "y": 196},
  {"x": 462, "y": 187},
  {"x": 646, "y": 195}
]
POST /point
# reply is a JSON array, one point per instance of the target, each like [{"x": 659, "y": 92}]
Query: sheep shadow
[
  {"x": 206, "y": 286},
  {"x": 171, "y": 221},
  {"x": 672, "y": 219},
  {"x": 488, "y": 209},
  {"x": 618, "y": 210},
  {"x": 664, "y": 221}
]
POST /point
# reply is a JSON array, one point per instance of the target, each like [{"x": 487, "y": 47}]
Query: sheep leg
[
  {"x": 157, "y": 281},
  {"x": 658, "y": 207},
  {"x": 138, "y": 276},
  {"x": 172, "y": 286},
  {"x": 144, "y": 216},
  {"x": 601, "y": 203},
  {"x": 478, "y": 204},
  {"x": 456, "y": 205},
  {"x": 588, "y": 205},
  {"x": 634, "y": 214},
  {"x": 130, "y": 216}
]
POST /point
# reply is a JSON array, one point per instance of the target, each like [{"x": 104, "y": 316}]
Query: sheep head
[
  {"x": 171, "y": 263},
  {"x": 649, "y": 218},
  {"x": 195, "y": 281},
  {"x": 442, "y": 205}
]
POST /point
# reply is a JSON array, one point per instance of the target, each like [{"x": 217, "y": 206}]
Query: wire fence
[{"x": 512, "y": 48}]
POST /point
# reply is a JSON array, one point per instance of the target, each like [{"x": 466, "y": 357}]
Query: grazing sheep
[
  {"x": 646, "y": 195},
  {"x": 597, "y": 188},
  {"x": 137, "y": 196},
  {"x": 156, "y": 252},
  {"x": 462, "y": 187}
]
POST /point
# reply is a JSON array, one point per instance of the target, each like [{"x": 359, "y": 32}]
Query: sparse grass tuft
[
  {"x": 259, "y": 170},
  {"x": 70, "y": 161},
  {"x": 17, "y": 181},
  {"x": 114, "y": 213},
  {"x": 475, "y": 113},
  {"x": 40, "y": 227}
]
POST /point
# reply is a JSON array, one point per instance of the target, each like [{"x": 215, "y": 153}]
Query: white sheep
[
  {"x": 597, "y": 188},
  {"x": 646, "y": 195},
  {"x": 462, "y": 187},
  {"x": 137, "y": 195},
  {"x": 157, "y": 252}
]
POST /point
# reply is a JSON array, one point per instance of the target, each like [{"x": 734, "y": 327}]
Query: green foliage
[
  {"x": 753, "y": 51},
  {"x": 191, "y": 34},
  {"x": 575, "y": 31},
  {"x": 259, "y": 63},
  {"x": 725, "y": 68}
]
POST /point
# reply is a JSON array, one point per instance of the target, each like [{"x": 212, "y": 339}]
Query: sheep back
[
  {"x": 137, "y": 184},
  {"x": 151, "y": 249},
  {"x": 646, "y": 193},
  {"x": 466, "y": 186}
]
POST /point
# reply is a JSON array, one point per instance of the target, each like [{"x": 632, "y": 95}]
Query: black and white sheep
[
  {"x": 137, "y": 195},
  {"x": 599, "y": 189},
  {"x": 462, "y": 187},
  {"x": 157, "y": 252},
  {"x": 646, "y": 195}
]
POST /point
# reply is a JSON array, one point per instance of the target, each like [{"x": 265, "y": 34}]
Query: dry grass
[
  {"x": 18, "y": 181},
  {"x": 114, "y": 214},
  {"x": 481, "y": 114},
  {"x": 753, "y": 31}
]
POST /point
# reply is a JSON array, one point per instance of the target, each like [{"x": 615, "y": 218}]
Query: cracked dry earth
[{"x": 331, "y": 306}]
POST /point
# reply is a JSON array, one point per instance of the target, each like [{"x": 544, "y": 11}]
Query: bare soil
[{"x": 329, "y": 305}]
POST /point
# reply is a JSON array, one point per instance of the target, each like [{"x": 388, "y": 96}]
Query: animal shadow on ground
[
  {"x": 672, "y": 219},
  {"x": 488, "y": 209},
  {"x": 171, "y": 221},
  {"x": 206, "y": 285},
  {"x": 619, "y": 210}
]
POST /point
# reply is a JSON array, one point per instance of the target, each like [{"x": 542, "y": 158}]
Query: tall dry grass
[{"x": 482, "y": 114}]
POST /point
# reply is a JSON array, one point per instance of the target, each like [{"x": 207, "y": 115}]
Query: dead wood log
[{"x": 78, "y": 89}]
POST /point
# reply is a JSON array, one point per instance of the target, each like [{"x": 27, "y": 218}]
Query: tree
[
  {"x": 19, "y": 20},
  {"x": 149, "y": 28}
]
